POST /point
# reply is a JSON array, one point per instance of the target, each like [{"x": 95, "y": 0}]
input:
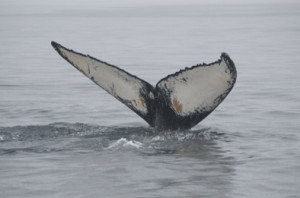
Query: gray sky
[
  {"x": 38, "y": 6},
  {"x": 136, "y": 2}
]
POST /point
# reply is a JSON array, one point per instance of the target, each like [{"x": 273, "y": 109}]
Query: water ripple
[{"x": 58, "y": 137}]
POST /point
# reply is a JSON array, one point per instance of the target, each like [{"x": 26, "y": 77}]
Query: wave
[{"x": 58, "y": 137}]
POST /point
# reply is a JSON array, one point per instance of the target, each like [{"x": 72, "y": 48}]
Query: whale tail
[{"x": 178, "y": 101}]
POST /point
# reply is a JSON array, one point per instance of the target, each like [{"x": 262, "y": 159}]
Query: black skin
[{"x": 167, "y": 119}]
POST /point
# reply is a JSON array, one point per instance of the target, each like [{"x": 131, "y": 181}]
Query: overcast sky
[
  {"x": 28, "y": 6},
  {"x": 136, "y": 2}
]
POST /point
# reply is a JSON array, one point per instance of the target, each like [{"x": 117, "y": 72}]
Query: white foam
[{"x": 124, "y": 143}]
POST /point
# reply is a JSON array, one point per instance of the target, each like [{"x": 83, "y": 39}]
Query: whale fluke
[{"x": 178, "y": 101}]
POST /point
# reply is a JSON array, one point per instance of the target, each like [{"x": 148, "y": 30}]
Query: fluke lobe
[{"x": 178, "y": 101}]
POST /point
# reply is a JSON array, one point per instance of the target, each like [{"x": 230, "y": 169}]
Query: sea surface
[{"x": 63, "y": 136}]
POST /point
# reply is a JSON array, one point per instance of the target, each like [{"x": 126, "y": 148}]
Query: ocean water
[{"x": 63, "y": 136}]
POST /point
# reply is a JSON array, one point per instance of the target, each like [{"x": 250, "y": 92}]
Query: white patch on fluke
[
  {"x": 197, "y": 89},
  {"x": 115, "y": 81}
]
